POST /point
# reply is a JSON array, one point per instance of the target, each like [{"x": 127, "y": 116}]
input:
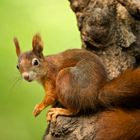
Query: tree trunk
[{"x": 111, "y": 29}]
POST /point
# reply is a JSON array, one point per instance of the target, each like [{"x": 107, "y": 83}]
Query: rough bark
[
  {"x": 106, "y": 125},
  {"x": 111, "y": 29}
]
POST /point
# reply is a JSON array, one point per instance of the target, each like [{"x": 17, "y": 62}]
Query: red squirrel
[{"x": 77, "y": 79}]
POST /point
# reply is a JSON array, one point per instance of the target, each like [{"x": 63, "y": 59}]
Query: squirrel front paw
[{"x": 37, "y": 110}]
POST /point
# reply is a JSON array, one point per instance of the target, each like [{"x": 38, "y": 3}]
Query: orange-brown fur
[
  {"x": 78, "y": 79},
  {"x": 122, "y": 91},
  {"x": 118, "y": 124}
]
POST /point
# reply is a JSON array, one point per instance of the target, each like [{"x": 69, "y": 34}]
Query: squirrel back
[{"x": 77, "y": 87}]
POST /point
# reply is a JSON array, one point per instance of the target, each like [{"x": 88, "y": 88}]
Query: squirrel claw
[
  {"x": 36, "y": 110},
  {"x": 52, "y": 116},
  {"x": 55, "y": 112},
  {"x": 36, "y": 113}
]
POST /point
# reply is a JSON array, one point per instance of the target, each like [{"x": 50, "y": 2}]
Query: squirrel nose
[{"x": 25, "y": 75}]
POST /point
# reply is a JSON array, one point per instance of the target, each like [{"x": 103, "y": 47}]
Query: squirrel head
[{"x": 30, "y": 63}]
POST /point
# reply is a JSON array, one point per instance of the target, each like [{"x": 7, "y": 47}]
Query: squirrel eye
[
  {"x": 17, "y": 67},
  {"x": 35, "y": 62}
]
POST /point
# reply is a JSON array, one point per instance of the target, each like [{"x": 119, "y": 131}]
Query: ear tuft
[
  {"x": 37, "y": 44},
  {"x": 18, "y": 51}
]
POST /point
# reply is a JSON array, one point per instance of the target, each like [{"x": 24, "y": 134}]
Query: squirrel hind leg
[{"x": 55, "y": 112}]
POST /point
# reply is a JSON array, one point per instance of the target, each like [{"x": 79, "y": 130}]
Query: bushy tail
[{"x": 122, "y": 91}]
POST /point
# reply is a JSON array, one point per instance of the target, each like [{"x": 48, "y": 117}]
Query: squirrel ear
[
  {"x": 37, "y": 44},
  {"x": 18, "y": 51}
]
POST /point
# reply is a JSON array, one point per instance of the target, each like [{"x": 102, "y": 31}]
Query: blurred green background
[{"x": 56, "y": 23}]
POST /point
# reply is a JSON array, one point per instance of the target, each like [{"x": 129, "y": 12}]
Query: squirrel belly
[{"x": 78, "y": 86}]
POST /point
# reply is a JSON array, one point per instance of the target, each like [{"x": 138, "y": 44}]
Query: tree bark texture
[{"x": 111, "y": 29}]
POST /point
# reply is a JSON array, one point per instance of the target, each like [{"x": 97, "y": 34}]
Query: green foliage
[{"x": 56, "y": 23}]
